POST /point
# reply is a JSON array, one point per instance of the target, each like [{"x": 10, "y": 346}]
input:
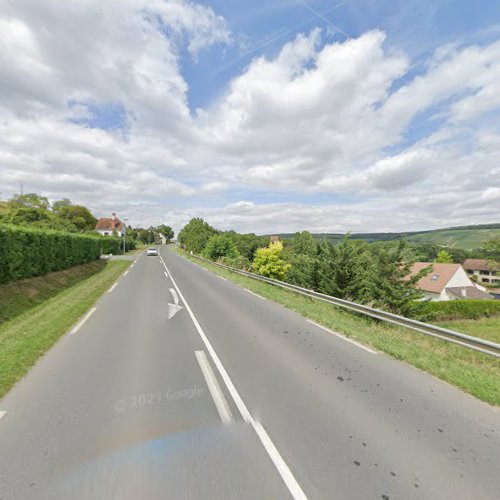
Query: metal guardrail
[{"x": 477, "y": 344}]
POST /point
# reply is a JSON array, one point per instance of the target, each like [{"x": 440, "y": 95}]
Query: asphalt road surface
[{"x": 183, "y": 385}]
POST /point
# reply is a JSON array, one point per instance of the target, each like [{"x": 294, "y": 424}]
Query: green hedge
[
  {"x": 461, "y": 309},
  {"x": 27, "y": 252}
]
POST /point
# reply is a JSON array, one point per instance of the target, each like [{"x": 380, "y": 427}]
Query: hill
[{"x": 464, "y": 237}]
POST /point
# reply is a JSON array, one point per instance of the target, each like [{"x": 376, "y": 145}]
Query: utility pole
[
  {"x": 21, "y": 188},
  {"x": 124, "y": 233}
]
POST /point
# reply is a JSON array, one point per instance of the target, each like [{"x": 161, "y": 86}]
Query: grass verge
[
  {"x": 473, "y": 372},
  {"x": 484, "y": 328},
  {"x": 28, "y": 336},
  {"x": 19, "y": 296}
]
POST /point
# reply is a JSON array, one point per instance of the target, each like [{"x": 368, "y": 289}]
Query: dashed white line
[
  {"x": 125, "y": 273},
  {"x": 213, "y": 386},
  {"x": 2, "y": 414},
  {"x": 82, "y": 321},
  {"x": 253, "y": 293},
  {"x": 221, "y": 277},
  {"x": 281, "y": 466},
  {"x": 112, "y": 288},
  {"x": 343, "y": 337},
  {"x": 166, "y": 275}
]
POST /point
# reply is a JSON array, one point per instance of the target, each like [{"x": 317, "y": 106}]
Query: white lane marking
[
  {"x": 281, "y": 466},
  {"x": 125, "y": 273},
  {"x": 166, "y": 275},
  {"x": 343, "y": 337},
  {"x": 82, "y": 321},
  {"x": 253, "y": 293},
  {"x": 112, "y": 288},
  {"x": 222, "y": 277},
  {"x": 213, "y": 386},
  {"x": 2, "y": 414}
]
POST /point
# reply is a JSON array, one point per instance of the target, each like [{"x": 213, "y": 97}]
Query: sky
[{"x": 263, "y": 116}]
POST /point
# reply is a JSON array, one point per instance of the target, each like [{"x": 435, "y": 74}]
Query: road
[{"x": 228, "y": 395}]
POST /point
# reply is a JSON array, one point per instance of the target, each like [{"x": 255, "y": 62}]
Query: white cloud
[{"x": 319, "y": 119}]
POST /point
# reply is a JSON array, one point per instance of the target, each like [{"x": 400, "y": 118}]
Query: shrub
[
  {"x": 269, "y": 262},
  {"x": 220, "y": 245},
  {"x": 240, "y": 262},
  {"x": 27, "y": 252}
]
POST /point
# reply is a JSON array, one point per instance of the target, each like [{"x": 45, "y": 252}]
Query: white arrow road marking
[{"x": 174, "y": 308}]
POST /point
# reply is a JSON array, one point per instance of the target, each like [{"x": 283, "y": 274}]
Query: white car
[{"x": 152, "y": 251}]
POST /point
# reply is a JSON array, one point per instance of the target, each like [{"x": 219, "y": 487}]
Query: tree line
[
  {"x": 35, "y": 211},
  {"x": 352, "y": 270}
]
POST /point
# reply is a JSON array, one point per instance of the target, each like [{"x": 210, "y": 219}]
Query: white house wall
[{"x": 460, "y": 278}]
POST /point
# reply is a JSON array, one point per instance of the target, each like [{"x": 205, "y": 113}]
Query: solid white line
[
  {"x": 82, "y": 321},
  {"x": 343, "y": 337},
  {"x": 253, "y": 293},
  {"x": 2, "y": 414},
  {"x": 213, "y": 386},
  {"x": 112, "y": 288},
  {"x": 281, "y": 466}
]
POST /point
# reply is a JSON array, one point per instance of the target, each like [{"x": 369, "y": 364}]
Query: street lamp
[{"x": 124, "y": 233}]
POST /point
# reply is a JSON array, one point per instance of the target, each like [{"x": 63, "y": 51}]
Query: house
[
  {"x": 275, "y": 239},
  {"x": 447, "y": 282},
  {"x": 108, "y": 226},
  {"x": 484, "y": 271}
]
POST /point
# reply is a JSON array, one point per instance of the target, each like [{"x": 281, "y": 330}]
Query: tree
[
  {"x": 220, "y": 245},
  {"x": 269, "y": 262},
  {"x": 167, "y": 231},
  {"x": 247, "y": 244},
  {"x": 345, "y": 270},
  {"x": 392, "y": 288},
  {"x": 59, "y": 205},
  {"x": 303, "y": 243},
  {"x": 29, "y": 200},
  {"x": 302, "y": 271},
  {"x": 443, "y": 257},
  {"x": 194, "y": 235},
  {"x": 492, "y": 247},
  {"x": 77, "y": 215}
]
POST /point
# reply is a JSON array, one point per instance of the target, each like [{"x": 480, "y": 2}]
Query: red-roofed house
[
  {"x": 108, "y": 226},
  {"x": 447, "y": 282}
]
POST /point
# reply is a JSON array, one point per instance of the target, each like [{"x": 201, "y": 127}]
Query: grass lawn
[
  {"x": 19, "y": 296},
  {"x": 486, "y": 328},
  {"x": 473, "y": 372},
  {"x": 29, "y": 335}
]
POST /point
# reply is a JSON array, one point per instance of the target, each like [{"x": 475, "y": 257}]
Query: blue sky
[
  {"x": 261, "y": 116},
  {"x": 260, "y": 28}
]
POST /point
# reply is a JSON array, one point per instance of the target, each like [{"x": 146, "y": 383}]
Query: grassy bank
[
  {"x": 473, "y": 372},
  {"x": 19, "y": 296},
  {"x": 486, "y": 328},
  {"x": 28, "y": 336}
]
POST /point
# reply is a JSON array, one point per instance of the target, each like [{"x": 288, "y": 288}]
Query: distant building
[
  {"x": 108, "y": 226},
  {"x": 485, "y": 271},
  {"x": 447, "y": 282},
  {"x": 274, "y": 239}
]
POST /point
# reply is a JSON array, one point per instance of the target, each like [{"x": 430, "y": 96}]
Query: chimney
[{"x": 114, "y": 216}]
